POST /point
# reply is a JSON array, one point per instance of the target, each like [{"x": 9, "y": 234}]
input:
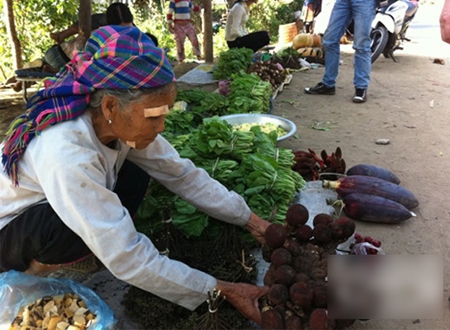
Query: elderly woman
[{"x": 77, "y": 161}]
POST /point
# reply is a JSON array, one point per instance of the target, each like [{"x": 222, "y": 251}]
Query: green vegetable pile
[
  {"x": 249, "y": 94},
  {"x": 232, "y": 61},
  {"x": 246, "y": 162}
]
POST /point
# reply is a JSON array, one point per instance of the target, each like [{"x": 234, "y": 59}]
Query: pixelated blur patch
[{"x": 385, "y": 286}]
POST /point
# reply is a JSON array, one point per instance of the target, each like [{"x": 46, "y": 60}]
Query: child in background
[{"x": 179, "y": 23}]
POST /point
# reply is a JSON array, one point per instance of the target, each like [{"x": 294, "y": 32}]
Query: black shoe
[
  {"x": 360, "y": 95},
  {"x": 320, "y": 89}
]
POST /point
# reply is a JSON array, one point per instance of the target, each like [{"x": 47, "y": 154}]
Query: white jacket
[{"x": 236, "y": 21}]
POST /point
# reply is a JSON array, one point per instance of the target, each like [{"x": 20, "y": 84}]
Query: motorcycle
[{"x": 389, "y": 27}]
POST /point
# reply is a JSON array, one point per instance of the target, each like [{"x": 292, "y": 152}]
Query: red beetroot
[
  {"x": 322, "y": 234},
  {"x": 322, "y": 218},
  {"x": 271, "y": 319},
  {"x": 275, "y": 235},
  {"x": 304, "y": 233},
  {"x": 336, "y": 230},
  {"x": 319, "y": 320},
  {"x": 297, "y": 215},
  {"x": 348, "y": 226},
  {"x": 280, "y": 257},
  {"x": 278, "y": 294},
  {"x": 285, "y": 275},
  {"x": 301, "y": 294}
]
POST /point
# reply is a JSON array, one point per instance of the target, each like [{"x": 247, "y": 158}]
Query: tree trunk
[
  {"x": 208, "y": 32},
  {"x": 16, "y": 48},
  {"x": 84, "y": 22}
]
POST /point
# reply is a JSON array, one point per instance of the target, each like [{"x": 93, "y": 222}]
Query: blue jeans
[{"x": 363, "y": 12}]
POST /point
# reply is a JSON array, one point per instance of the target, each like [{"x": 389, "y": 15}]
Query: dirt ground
[{"x": 408, "y": 103}]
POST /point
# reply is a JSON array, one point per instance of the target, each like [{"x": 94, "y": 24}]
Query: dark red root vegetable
[
  {"x": 271, "y": 319},
  {"x": 373, "y": 186},
  {"x": 322, "y": 218},
  {"x": 293, "y": 247},
  {"x": 266, "y": 252},
  {"x": 375, "y": 209},
  {"x": 347, "y": 225},
  {"x": 280, "y": 257},
  {"x": 269, "y": 277},
  {"x": 301, "y": 277},
  {"x": 319, "y": 320},
  {"x": 278, "y": 294},
  {"x": 322, "y": 234},
  {"x": 336, "y": 230},
  {"x": 375, "y": 171},
  {"x": 301, "y": 294},
  {"x": 292, "y": 322},
  {"x": 285, "y": 275},
  {"x": 297, "y": 215},
  {"x": 320, "y": 295},
  {"x": 275, "y": 235},
  {"x": 304, "y": 233}
]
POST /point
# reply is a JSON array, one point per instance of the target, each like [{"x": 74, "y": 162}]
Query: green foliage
[
  {"x": 34, "y": 21},
  {"x": 232, "y": 61},
  {"x": 269, "y": 15}
]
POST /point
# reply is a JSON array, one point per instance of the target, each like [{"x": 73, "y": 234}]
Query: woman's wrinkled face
[{"x": 139, "y": 125}]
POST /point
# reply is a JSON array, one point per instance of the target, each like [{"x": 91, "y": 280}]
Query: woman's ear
[{"x": 109, "y": 106}]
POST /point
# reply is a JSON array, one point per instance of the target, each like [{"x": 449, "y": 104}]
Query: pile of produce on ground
[
  {"x": 298, "y": 294},
  {"x": 232, "y": 61},
  {"x": 62, "y": 312},
  {"x": 269, "y": 71},
  {"x": 308, "y": 46},
  {"x": 222, "y": 252},
  {"x": 314, "y": 167},
  {"x": 374, "y": 194}
]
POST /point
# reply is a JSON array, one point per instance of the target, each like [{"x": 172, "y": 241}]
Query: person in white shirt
[
  {"x": 77, "y": 162},
  {"x": 236, "y": 33}
]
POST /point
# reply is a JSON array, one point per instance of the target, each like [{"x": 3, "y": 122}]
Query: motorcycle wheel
[{"x": 379, "y": 38}]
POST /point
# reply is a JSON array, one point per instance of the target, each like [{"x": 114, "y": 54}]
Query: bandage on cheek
[
  {"x": 131, "y": 144},
  {"x": 156, "y": 112}
]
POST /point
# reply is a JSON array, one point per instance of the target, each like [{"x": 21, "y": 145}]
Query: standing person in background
[
  {"x": 236, "y": 33},
  {"x": 179, "y": 23},
  {"x": 363, "y": 13},
  {"x": 444, "y": 21}
]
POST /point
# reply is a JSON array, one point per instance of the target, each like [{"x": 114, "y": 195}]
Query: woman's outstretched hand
[
  {"x": 257, "y": 227},
  {"x": 244, "y": 297}
]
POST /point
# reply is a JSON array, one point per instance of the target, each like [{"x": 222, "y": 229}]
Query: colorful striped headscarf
[{"x": 115, "y": 57}]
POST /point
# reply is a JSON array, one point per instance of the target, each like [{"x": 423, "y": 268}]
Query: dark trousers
[
  {"x": 254, "y": 41},
  {"x": 38, "y": 233}
]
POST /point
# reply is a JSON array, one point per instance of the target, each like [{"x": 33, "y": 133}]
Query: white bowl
[{"x": 256, "y": 118}]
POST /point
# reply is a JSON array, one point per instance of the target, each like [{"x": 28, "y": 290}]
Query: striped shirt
[{"x": 180, "y": 10}]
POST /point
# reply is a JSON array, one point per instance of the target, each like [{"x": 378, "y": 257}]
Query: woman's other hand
[
  {"x": 257, "y": 227},
  {"x": 244, "y": 297}
]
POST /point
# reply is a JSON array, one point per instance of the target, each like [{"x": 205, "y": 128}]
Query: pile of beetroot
[{"x": 297, "y": 298}]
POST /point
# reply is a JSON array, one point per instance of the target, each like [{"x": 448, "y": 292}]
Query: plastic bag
[
  {"x": 361, "y": 249},
  {"x": 18, "y": 289}
]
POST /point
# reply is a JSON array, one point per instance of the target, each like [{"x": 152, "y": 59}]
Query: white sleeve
[
  {"x": 193, "y": 184},
  {"x": 73, "y": 180}
]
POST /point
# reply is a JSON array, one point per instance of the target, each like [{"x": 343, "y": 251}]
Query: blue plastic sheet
[{"x": 18, "y": 289}]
